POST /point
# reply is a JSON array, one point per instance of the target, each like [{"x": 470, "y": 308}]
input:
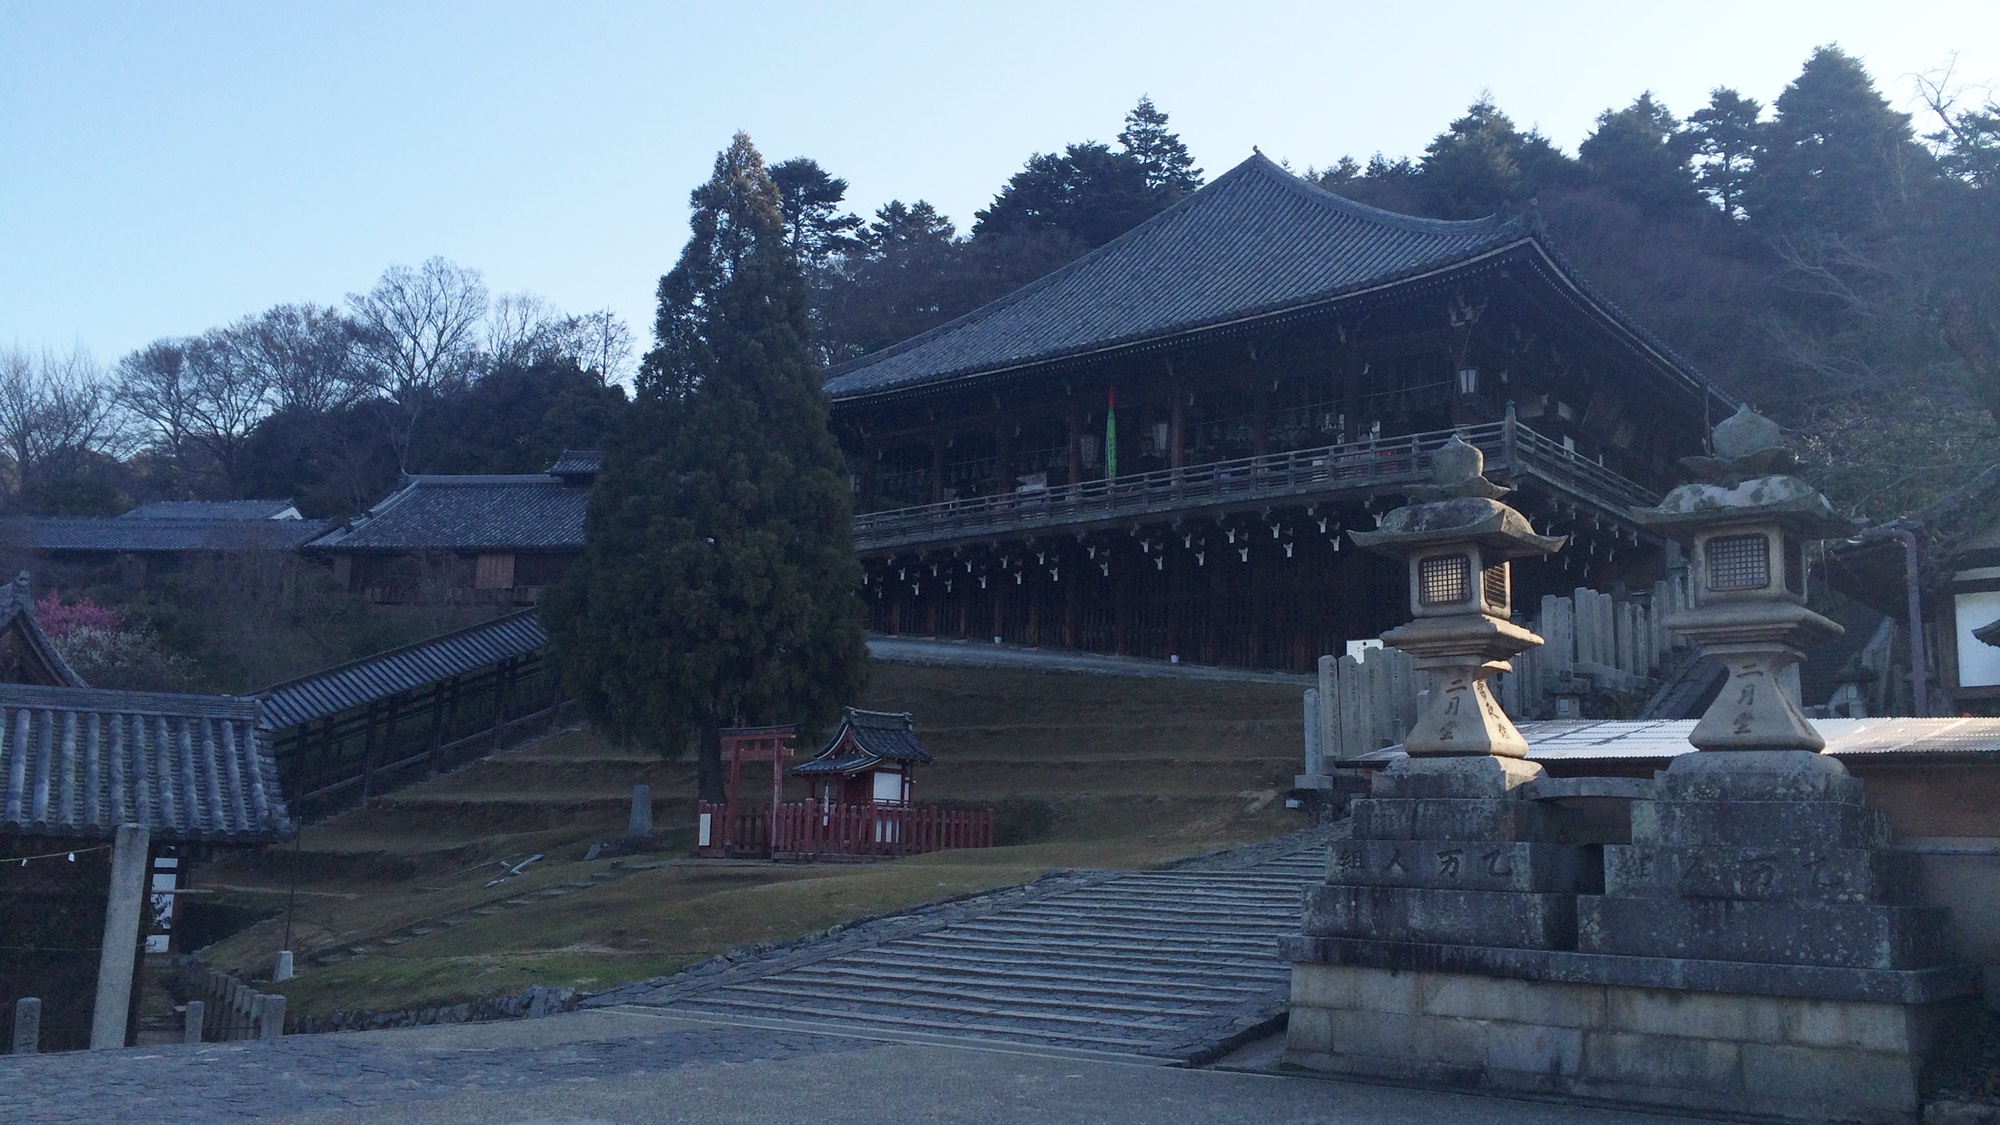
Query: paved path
[
  {"x": 978, "y": 654},
  {"x": 1167, "y": 966},
  {"x": 633, "y": 1068}
]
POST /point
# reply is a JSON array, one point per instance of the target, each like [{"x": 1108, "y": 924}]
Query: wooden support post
[
  {"x": 501, "y": 690},
  {"x": 937, "y": 469},
  {"x": 1177, "y": 430},
  {"x": 368, "y": 753},
  {"x": 437, "y": 726},
  {"x": 1075, "y": 420},
  {"x": 118, "y": 957}
]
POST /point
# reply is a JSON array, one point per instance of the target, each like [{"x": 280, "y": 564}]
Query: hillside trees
[{"x": 718, "y": 581}]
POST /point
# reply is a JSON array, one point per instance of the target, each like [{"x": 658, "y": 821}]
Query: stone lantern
[
  {"x": 1747, "y": 524},
  {"x": 1458, "y": 540}
]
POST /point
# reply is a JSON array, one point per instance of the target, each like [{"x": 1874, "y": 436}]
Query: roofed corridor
[{"x": 1513, "y": 451}]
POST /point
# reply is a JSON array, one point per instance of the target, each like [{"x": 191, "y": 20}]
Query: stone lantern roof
[{"x": 1459, "y": 506}]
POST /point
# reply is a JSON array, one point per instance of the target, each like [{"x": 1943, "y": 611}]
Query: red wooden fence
[{"x": 808, "y": 828}]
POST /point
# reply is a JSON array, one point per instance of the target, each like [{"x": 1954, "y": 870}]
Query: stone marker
[
  {"x": 283, "y": 969},
  {"x": 27, "y": 1025},
  {"x": 121, "y": 938},
  {"x": 641, "y": 824},
  {"x": 270, "y": 1016},
  {"x": 191, "y": 1023}
]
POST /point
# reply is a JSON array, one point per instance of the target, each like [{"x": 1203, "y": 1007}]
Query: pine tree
[
  {"x": 718, "y": 580},
  {"x": 1724, "y": 136},
  {"x": 1832, "y": 155},
  {"x": 1639, "y": 155},
  {"x": 1168, "y": 163}
]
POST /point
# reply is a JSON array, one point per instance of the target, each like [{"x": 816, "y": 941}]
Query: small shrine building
[{"x": 868, "y": 761}]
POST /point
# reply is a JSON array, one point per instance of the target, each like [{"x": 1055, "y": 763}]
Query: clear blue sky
[{"x": 165, "y": 167}]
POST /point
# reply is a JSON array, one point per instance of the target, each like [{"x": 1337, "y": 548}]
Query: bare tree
[
  {"x": 600, "y": 343},
  {"x": 55, "y": 412},
  {"x": 419, "y": 333},
  {"x": 230, "y": 392},
  {"x": 308, "y": 353},
  {"x": 153, "y": 387},
  {"x": 522, "y": 328}
]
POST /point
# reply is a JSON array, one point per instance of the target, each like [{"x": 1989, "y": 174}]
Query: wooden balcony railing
[{"x": 1326, "y": 472}]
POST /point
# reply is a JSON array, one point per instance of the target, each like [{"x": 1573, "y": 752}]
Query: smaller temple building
[{"x": 868, "y": 761}]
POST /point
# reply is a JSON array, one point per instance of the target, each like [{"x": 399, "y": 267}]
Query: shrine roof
[
  {"x": 17, "y": 610},
  {"x": 877, "y": 736},
  {"x": 1873, "y": 739},
  {"x": 1255, "y": 242},
  {"x": 526, "y": 511},
  {"x": 82, "y": 761},
  {"x": 330, "y": 691}
]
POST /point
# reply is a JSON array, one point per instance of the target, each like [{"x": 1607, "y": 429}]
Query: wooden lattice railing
[{"x": 807, "y": 828}]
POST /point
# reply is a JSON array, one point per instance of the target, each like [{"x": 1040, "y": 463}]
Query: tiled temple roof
[
  {"x": 359, "y": 682},
  {"x": 17, "y": 611},
  {"x": 1255, "y": 242},
  {"x": 213, "y": 510},
  {"x": 127, "y": 535},
  {"x": 530, "y": 511},
  {"x": 82, "y": 761}
]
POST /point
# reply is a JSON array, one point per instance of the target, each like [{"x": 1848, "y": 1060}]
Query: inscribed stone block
[
  {"x": 1487, "y": 918},
  {"x": 1759, "y": 775},
  {"x": 1852, "y": 935},
  {"x": 1778, "y": 824},
  {"x": 1659, "y": 1061},
  {"x": 1462, "y": 864},
  {"x": 1438, "y": 818},
  {"x": 1698, "y": 1015},
  {"x": 1761, "y": 873}
]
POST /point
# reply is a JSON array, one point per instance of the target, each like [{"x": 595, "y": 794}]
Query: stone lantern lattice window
[
  {"x": 1739, "y": 562},
  {"x": 1444, "y": 580}
]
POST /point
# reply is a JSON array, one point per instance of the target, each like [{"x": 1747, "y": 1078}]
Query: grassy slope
[{"x": 1137, "y": 772}]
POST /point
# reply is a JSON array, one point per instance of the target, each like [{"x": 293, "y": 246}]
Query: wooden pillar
[
  {"x": 502, "y": 689},
  {"x": 1075, "y": 420},
  {"x": 864, "y": 501},
  {"x": 368, "y": 752},
  {"x": 389, "y": 728},
  {"x": 117, "y": 958},
  {"x": 1003, "y": 477},
  {"x": 1260, "y": 416},
  {"x": 937, "y": 468},
  {"x": 1177, "y": 430}
]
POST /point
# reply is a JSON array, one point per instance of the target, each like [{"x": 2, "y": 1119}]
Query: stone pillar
[
  {"x": 27, "y": 1025},
  {"x": 116, "y": 959},
  {"x": 640, "y": 826},
  {"x": 282, "y": 970},
  {"x": 192, "y": 1020}
]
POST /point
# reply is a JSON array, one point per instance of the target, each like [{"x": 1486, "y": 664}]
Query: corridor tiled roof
[
  {"x": 125, "y": 535},
  {"x": 528, "y": 511},
  {"x": 359, "y": 682},
  {"x": 1256, "y": 240},
  {"x": 82, "y": 761}
]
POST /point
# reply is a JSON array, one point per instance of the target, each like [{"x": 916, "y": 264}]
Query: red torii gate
[{"x": 771, "y": 744}]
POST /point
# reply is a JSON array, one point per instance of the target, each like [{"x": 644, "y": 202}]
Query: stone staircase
[{"x": 1171, "y": 966}]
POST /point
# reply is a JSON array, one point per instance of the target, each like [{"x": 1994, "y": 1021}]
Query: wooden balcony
[{"x": 1304, "y": 476}]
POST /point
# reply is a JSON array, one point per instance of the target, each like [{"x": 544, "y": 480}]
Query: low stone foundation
[{"x": 1558, "y": 1031}]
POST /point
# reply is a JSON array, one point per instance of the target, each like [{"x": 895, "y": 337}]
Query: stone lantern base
[{"x": 1753, "y": 949}]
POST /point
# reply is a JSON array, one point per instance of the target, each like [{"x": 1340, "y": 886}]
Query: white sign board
[{"x": 1978, "y": 662}]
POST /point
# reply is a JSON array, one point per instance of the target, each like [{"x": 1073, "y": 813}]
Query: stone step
[
  {"x": 1219, "y": 975},
  {"x": 1143, "y": 943},
  {"x": 1249, "y": 942},
  {"x": 1245, "y": 918},
  {"x": 1184, "y": 988},
  {"x": 1027, "y": 1011},
  {"x": 974, "y": 1028},
  {"x": 1016, "y": 1003}
]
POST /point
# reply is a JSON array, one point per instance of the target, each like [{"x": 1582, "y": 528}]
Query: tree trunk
[{"x": 708, "y": 758}]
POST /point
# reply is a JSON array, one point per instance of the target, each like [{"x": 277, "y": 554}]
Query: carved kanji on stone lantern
[
  {"x": 1748, "y": 524},
  {"x": 1458, "y": 540}
]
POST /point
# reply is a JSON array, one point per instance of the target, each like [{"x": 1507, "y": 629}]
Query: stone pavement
[
  {"x": 1173, "y": 966},
  {"x": 630, "y": 1066}
]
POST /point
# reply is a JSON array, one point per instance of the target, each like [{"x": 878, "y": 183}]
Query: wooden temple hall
[{"x": 1157, "y": 449}]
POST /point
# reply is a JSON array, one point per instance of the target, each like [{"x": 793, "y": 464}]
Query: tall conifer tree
[{"x": 718, "y": 579}]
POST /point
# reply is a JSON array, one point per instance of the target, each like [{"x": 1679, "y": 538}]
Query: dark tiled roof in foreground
[
  {"x": 211, "y": 510},
  {"x": 80, "y": 762},
  {"x": 125, "y": 535},
  {"x": 879, "y": 736},
  {"x": 1668, "y": 738},
  {"x": 1255, "y": 241},
  {"x": 17, "y": 610},
  {"x": 363, "y": 681},
  {"x": 470, "y": 513}
]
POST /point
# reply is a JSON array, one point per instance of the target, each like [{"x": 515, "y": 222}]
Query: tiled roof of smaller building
[
  {"x": 578, "y": 463},
  {"x": 359, "y": 682},
  {"x": 213, "y": 510},
  {"x": 82, "y": 761},
  {"x": 17, "y": 611},
  {"x": 878, "y": 736},
  {"x": 125, "y": 535},
  {"x": 469, "y": 513}
]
